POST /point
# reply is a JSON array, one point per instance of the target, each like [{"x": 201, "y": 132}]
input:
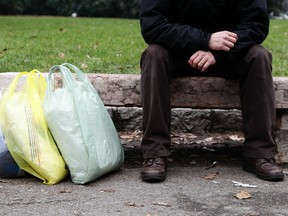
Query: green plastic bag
[{"x": 81, "y": 126}]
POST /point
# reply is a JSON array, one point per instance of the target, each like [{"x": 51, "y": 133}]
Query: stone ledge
[{"x": 192, "y": 92}]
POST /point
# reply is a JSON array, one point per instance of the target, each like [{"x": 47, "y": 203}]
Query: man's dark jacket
[{"x": 185, "y": 26}]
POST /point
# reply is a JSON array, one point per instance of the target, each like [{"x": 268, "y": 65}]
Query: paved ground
[{"x": 185, "y": 192}]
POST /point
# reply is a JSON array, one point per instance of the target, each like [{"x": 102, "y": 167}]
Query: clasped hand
[{"x": 219, "y": 41}]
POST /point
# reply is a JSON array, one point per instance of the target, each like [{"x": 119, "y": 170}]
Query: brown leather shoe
[
  {"x": 265, "y": 169},
  {"x": 154, "y": 169}
]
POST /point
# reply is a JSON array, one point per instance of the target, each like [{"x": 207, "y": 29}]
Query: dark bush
[
  {"x": 92, "y": 8},
  {"x": 277, "y": 6},
  {"x": 87, "y": 8}
]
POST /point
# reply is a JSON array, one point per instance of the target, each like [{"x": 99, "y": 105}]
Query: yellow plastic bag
[{"x": 26, "y": 132}]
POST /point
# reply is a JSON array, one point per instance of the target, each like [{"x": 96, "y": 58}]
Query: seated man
[{"x": 207, "y": 38}]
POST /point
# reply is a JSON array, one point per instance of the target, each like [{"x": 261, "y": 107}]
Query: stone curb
[{"x": 216, "y": 126}]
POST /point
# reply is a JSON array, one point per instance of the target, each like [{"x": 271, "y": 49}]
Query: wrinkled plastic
[
  {"x": 26, "y": 132},
  {"x": 81, "y": 126}
]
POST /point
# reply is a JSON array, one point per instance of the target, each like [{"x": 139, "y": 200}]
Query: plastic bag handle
[
  {"x": 79, "y": 74},
  {"x": 12, "y": 87},
  {"x": 68, "y": 79},
  {"x": 36, "y": 78}
]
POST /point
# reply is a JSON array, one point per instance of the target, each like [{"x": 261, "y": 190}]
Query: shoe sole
[
  {"x": 153, "y": 178},
  {"x": 279, "y": 177}
]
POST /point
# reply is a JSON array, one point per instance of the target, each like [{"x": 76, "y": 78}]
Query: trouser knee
[
  {"x": 156, "y": 64},
  {"x": 260, "y": 57},
  {"x": 154, "y": 53},
  {"x": 260, "y": 52}
]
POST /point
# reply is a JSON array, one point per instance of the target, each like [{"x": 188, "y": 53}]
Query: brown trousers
[{"x": 253, "y": 69}]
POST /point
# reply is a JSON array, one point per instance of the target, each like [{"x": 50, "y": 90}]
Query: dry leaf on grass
[
  {"x": 84, "y": 66},
  {"x": 61, "y": 55},
  {"x": 243, "y": 195}
]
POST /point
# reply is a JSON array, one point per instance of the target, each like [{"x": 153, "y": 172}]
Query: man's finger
[
  {"x": 200, "y": 65},
  {"x": 232, "y": 39},
  {"x": 205, "y": 66},
  {"x": 229, "y": 44},
  {"x": 232, "y": 34}
]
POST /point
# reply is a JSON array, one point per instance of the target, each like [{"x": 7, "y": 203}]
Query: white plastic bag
[{"x": 81, "y": 126}]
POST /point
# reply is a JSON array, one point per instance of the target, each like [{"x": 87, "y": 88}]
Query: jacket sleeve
[
  {"x": 251, "y": 26},
  {"x": 157, "y": 27}
]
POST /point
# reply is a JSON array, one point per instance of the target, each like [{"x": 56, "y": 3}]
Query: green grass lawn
[
  {"x": 277, "y": 43},
  {"x": 96, "y": 45}
]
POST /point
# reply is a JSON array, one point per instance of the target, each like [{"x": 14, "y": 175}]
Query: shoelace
[
  {"x": 268, "y": 160},
  {"x": 150, "y": 161}
]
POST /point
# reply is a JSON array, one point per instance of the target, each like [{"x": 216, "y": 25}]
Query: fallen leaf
[
  {"x": 209, "y": 139},
  {"x": 211, "y": 176},
  {"x": 65, "y": 191},
  {"x": 84, "y": 66},
  {"x": 61, "y": 55},
  {"x": 190, "y": 136},
  {"x": 236, "y": 138},
  {"x": 132, "y": 204},
  {"x": 243, "y": 195},
  {"x": 174, "y": 134},
  {"x": 108, "y": 190},
  {"x": 136, "y": 132},
  {"x": 125, "y": 136}
]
